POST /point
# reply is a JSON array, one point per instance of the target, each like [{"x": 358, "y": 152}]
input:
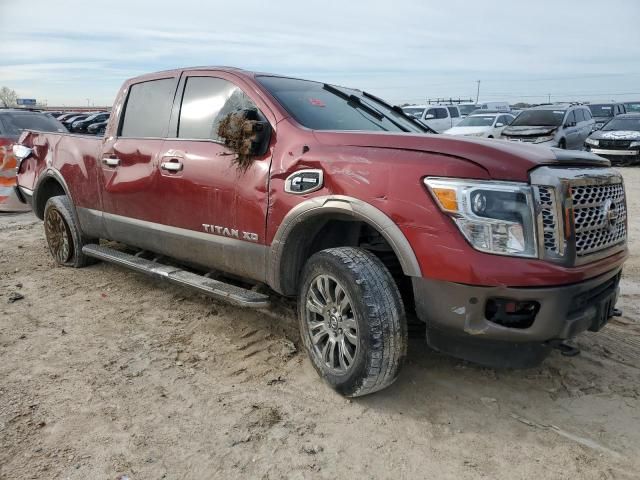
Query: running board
[{"x": 213, "y": 288}]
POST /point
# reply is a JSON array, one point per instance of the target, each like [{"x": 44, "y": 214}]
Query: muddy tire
[
  {"x": 562, "y": 144},
  {"x": 352, "y": 320},
  {"x": 64, "y": 238}
]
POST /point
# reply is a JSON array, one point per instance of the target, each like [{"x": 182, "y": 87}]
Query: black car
[
  {"x": 80, "y": 126},
  {"x": 97, "y": 128},
  {"x": 603, "y": 112},
  {"x": 14, "y": 121},
  {"x": 65, "y": 116},
  {"x": 69, "y": 121},
  {"x": 618, "y": 140}
]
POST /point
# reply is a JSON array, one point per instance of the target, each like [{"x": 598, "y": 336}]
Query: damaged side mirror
[{"x": 245, "y": 134}]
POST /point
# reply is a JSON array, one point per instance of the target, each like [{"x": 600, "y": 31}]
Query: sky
[{"x": 68, "y": 52}]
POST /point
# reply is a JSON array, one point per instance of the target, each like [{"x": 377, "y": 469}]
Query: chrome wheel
[
  {"x": 332, "y": 326},
  {"x": 58, "y": 236}
]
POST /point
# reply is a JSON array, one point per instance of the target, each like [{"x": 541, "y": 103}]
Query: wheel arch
[
  {"x": 301, "y": 225},
  {"x": 50, "y": 184}
]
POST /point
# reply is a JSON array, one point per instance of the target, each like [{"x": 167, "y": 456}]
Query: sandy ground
[{"x": 106, "y": 374}]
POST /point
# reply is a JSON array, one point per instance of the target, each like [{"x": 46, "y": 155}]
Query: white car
[
  {"x": 436, "y": 117},
  {"x": 488, "y": 125}
]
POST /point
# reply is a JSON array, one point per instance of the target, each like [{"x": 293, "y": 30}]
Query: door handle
[
  {"x": 111, "y": 161},
  {"x": 174, "y": 165}
]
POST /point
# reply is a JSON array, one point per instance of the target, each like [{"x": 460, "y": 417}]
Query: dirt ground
[{"x": 106, "y": 374}]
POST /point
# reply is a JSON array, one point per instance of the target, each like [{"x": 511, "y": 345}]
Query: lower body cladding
[
  {"x": 511, "y": 327},
  {"x": 619, "y": 157}
]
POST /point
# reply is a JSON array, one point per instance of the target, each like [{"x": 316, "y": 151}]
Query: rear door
[
  {"x": 130, "y": 187},
  {"x": 215, "y": 213}
]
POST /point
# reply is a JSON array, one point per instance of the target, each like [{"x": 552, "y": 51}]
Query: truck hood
[
  {"x": 529, "y": 131},
  {"x": 502, "y": 160}
]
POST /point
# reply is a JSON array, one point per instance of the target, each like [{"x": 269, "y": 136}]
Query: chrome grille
[
  {"x": 547, "y": 199},
  {"x": 599, "y": 217}
]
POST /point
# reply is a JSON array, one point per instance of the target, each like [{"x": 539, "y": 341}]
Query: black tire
[
  {"x": 374, "y": 302},
  {"x": 64, "y": 238},
  {"x": 562, "y": 144}
]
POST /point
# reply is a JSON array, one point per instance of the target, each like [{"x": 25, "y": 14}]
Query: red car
[
  {"x": 333, "y": 196},
  {"x": 12, "y": 123}
]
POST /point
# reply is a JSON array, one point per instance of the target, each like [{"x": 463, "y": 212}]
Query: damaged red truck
[{"x": 334, "y": 196}]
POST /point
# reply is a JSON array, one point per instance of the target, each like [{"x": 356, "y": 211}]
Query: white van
[{"x": 494, "y": 106}]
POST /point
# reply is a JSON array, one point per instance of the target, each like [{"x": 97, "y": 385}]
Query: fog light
[{"x": 511, "y": 313}]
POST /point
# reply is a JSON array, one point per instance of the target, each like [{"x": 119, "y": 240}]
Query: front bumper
[
  {"x": 457, "y": 323},
  {"x": 618, "y": 157}
]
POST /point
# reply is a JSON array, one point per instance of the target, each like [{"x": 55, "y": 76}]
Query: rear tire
[
  {"x": 352, "y": 320},
  {"x": 562, "y": 144},
  {"x": 64, "y": 237}
]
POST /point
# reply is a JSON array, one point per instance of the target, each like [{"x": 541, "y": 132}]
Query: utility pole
[
  {"x": 477, "y": 91},
  {"x": 549, "y": 95},
  {"x": 88, "y": 103}
]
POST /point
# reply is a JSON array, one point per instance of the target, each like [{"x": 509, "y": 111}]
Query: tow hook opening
[{"x": 511, "y": 313}]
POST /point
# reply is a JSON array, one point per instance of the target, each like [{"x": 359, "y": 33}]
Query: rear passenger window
[
  {"x": 148, "y": 109},
  {"x": 206, "y": 101},
  {"x": 453, "y": 111},
  {"x": 441, "y": 112},
  {"x": 587, "y": 114}
]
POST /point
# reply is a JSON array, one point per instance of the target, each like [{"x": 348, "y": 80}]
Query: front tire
[
  {"x": 64, "y": 238},
  {"x": 352, "y": 320}
]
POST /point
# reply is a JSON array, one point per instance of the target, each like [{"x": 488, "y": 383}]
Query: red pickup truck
[{"x": 332, "y": 195}]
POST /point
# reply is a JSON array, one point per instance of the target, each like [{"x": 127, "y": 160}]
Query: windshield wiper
[
  {"x": 354, "y": 101},
  {"x": 401, "y": 112}
]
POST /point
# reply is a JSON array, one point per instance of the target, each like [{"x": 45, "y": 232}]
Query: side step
[{"x": 213, "y": 288}]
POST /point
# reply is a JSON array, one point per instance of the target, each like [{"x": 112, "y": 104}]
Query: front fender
[{"x": 345, "y": 205}]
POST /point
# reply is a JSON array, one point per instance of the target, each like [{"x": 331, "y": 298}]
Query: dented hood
[
  {"x": 501, "y": 159},
  {"x": 526, "y": 131}
]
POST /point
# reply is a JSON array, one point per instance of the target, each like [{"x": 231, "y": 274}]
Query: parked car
[
  {"x": 559, "y": 125},
  {"x": 68, "y": 122},
  {"x": 352, "y": 208},
  {"x": 632, "y": 107},
  {"x": 603, "y": 112},
  {"x": 481, "y": 125},
  {"x": 97, "y": 128},
  {"x": 618, "y": 140},
  {"x": 467, "y": 108},
  {"x": 436, "y": 117},
  {"x": 12, "y": 124},
  {"x": 65, "y": 116},
  {"x": 80, "y": 126}
]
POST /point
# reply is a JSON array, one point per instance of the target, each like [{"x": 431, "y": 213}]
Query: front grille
[
  {"x": 615, "y": 144},
  {"x": 599, "y": 217}
]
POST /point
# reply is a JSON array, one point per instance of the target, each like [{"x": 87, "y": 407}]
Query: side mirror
[
  {"x": 499, "y": 124},
  {"x": 429, "y": 116},
  {"x": 246, "y": 135}
]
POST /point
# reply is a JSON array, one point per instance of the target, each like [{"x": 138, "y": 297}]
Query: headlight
[
  {"x": 635, "y": 143},
  {"x": 547, "y": 138},
  {"x": 494, "y": 217},
  {"x": 591, "y": 141}
]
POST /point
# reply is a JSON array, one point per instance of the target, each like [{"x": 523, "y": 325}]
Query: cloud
[{"x": 402, "y": 50}]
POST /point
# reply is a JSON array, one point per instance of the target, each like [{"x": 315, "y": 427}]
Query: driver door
[{"x": 214, "y": 213}]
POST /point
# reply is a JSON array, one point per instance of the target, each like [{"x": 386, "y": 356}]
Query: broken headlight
[{"x": 494, "y": 217}]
